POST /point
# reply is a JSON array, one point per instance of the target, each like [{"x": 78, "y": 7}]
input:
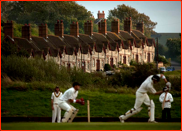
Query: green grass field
[
  {"x": 91, "y": 126},
  {"x": 38, "y": 103}
]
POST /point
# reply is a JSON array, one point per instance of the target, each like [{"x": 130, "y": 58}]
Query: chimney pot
[
  {"x": 102, "y": 11},
  {"x": 74, "y": 29},
  {"x": 8, "y": 29},
  {"x": 99, "y": 11},
  {"x": 26, "y": 31},
  {"x": 88, "y": 28}
]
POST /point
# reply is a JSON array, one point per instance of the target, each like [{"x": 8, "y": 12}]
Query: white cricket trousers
[
  {"x": 56, "y": 113},
  {"x": 140, "y": 99},
  {"x": 66, "y": 106}
]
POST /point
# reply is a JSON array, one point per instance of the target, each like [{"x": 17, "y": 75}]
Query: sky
[{"x": 167, "y": 14}]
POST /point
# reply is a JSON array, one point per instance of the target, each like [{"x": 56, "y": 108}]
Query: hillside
[{"x": 162, "y": 37}]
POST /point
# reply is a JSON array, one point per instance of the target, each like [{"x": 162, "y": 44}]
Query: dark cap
[
  {"x": 156, "y": 78},
  {"x": 76, "y": 84}
]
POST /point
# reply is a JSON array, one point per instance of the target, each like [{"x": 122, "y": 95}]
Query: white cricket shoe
[
  {"x": 121, "y": 118},
  {"x": 153, "y": 121}
]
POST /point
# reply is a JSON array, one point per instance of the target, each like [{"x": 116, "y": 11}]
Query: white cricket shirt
[
  {"x": 71, "y": 93},
  {"x": 147, "y": 86},
  {"x": 56, "y": 96},
  {"x": 168, "y": 97}
]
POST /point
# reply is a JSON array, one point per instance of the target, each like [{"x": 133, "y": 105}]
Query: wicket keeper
[
  {"x": 142, "y": 97},
  {"x": 66, "y": 99}
]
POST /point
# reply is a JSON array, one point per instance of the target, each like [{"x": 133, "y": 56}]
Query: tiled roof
[
  {"x": 72, "y": 41},
  {"x": 100, "y": 40},
  {"x": 98, "y": 20},
  {"x": 25, "y": 44},
  {"x": 114, "y": 37},
  {"x": 139, "y": 34},
  {"x": 126, "y": 44},
  {"x": 56, "y": 41},
  {"x": 125, "y": 35},
  {"x": 150, "y": 41},
  {"x": 87, "y": 39},
  {"x": 44, "y": 44},
  {"x": 138, "y": 43}
]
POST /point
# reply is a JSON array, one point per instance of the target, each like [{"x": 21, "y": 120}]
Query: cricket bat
[{"x": 164, "y": 101}]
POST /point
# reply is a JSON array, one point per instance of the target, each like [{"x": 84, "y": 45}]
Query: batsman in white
[
  {"x": 56, "y": 110},
  {"x": 66, "y": 99},
  {"x": 142, "y": 97}
]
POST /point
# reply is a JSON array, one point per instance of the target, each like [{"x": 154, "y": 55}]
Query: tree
[
  {"x": 47, "y": 12},
  {"x": 123, "y": 11},
  {"x": 162, "y": 49},
  {"x": 174, "y": 46}
]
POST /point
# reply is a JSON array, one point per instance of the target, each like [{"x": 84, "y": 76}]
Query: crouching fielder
[
  {"x": 142, "y": 97},
  {"x": 65, "y": 101}
]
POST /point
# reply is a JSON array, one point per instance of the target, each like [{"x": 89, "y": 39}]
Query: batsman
[
  {"x": 66, "y": 99},
  {"x": 142, "y": 97}
]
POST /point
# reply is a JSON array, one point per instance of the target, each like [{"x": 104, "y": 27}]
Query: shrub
[{"x": 107, "y": 67}]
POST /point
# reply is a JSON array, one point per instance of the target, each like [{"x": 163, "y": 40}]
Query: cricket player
[
  {"x": 56, "y": 110},
  {"x": 66, "y": 99},
  {"x": 166, "y": 98},
  {"x": 142, "y": 97}
]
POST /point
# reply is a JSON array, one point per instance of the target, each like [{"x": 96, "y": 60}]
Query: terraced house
[{"x": 89, "y": 51}]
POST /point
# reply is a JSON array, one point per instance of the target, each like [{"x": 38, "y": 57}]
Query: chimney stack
[
  {"x": 102, "y": 26},
  {"x": 101, "y": 15},
  {"x": 59, "y": 28},
  {"x": 128, "y": 25},
  {"x": 88, "y": 28},
  {"x": 8, "y": 29},
  {"x": 140, "y": 27},
  {"x": 115, "y": 27},
  {"x": 43, "y": 30},
  {"x": 26, "y": 31},
  {"x": 74, "y": 29}
]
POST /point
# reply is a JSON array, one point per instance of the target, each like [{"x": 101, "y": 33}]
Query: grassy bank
[{"x": 37, "y": 103}]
